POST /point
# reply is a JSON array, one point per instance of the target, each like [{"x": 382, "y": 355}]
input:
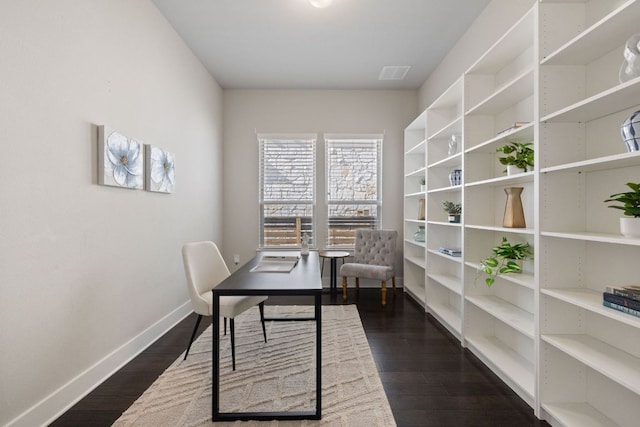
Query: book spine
[
  {"x": 625, "y": 302},
  {"x": 627, "y": 293},
  {"x": 621, "y": 308}
]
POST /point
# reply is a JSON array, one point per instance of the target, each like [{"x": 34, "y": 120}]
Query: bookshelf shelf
[
  {"x": 615, "y": 364},
  {"x": 515, "y": 370}
]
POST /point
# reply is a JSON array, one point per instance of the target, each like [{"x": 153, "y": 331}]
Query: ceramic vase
[
  {"x": 453, "y": 145},
  {"x": 513, "y": 211},
  {"x": 630, "y": 131}
]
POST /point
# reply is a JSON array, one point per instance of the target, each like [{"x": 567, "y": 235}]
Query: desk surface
[{"x": 305, "y": 277}]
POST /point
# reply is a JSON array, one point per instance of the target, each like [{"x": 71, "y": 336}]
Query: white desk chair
[{"x": 205, "y": 269}]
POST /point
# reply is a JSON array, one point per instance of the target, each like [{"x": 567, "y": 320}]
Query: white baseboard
[{"x": 58, "y": 402}]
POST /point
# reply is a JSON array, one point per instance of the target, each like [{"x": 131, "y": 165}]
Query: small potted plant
[
  {"x": 505, "y": 258},
  {"x": 422, "y": 184},
  {"x": 453, "y": 209},
  {"x": 630, "y": 205},
  {"x": 518, "y": 155}
]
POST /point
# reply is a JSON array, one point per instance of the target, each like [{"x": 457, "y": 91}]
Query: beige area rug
[{"x": 276, "y": 376}]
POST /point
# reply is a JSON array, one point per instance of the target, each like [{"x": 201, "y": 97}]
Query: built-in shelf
[
  {"x": 512, "y": 315},
  {"x": 602, "y": 357},
  {"x": 453, "y": 283},
  {"x": 545, "y": 332}
]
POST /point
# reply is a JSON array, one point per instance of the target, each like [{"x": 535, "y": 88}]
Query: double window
[{"x": 288, "y": 188}]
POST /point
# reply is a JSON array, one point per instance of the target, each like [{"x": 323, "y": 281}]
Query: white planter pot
[
  {"x": 513, "y": 170},
  {"x": 422, "y": 188},
  {"x": 630, "y": 227}
]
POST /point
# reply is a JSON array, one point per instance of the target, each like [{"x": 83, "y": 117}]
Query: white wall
[
  {"x": 488, "y": 27},
  {"x": 305, "y": 111},
  {"x": 86, "y": 268}
]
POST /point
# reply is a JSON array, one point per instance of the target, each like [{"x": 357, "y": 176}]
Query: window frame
[
  {"x": 329, "y": 139},
  {"x": 310, "y": 226}
]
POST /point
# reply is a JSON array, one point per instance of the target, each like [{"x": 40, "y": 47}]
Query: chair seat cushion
[
  {"x": 231, "y": 306},
  {"x": 367, "y": 271}
]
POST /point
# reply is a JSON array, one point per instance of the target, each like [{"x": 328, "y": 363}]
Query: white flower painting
[
  {"x": 160, "y": 173},
  {"x": 120, "y": 160}
]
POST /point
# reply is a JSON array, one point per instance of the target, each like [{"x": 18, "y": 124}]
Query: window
[
  {"x": 353, "y": 168},
  {"x": 287, "y": 190}
]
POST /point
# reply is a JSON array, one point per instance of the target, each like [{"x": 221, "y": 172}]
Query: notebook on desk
[{"x": 276, "y": 264}]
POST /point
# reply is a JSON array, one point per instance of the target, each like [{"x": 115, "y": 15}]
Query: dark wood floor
[{"x": 429, "y": 379}]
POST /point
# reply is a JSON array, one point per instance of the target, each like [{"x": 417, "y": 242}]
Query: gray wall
[
  {"x": 91, "y": 274},
  {"x": 305, "y": 111}
]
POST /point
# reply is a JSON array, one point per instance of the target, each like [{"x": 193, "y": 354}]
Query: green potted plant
[
  {"x": 453, "y": 209},
  {"x": 422, "y": 183},
  {"x": 518, "y": 155},
  {"x": 504, "y": 259},
  {"x": 630, "y": 205}
]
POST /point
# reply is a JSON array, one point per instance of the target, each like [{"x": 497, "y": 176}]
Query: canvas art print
[
  {"x": 120, "y": 160},
  {"x": 160, "y": 174}
]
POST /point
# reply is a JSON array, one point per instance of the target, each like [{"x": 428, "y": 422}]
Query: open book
[{"x": 276, "y": 264}]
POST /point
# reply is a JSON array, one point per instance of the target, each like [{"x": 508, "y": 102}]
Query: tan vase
[{"x": 513, "y": 211}]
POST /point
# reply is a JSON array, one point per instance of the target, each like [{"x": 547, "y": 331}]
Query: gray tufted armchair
[{"x": 374, "y": 258}]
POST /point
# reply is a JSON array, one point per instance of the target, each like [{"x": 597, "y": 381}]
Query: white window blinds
[
  {"x": 287, "y": 190},
  {"x": 353, "y": 168}
]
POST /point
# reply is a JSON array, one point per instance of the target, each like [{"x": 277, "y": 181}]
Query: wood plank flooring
[{"x": 429, "y": 379}]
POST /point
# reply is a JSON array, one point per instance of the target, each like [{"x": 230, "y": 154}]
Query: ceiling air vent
[{"x": 394, "y": 72}]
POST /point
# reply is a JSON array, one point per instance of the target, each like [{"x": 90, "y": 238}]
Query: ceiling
[{"x": 289, "y": 44}]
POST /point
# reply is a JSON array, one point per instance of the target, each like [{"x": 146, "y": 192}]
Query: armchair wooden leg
[
  {"x": 344, "y": 288},
  {"x": 384, "y": 293},
  {"x": 357, "y": 283},
  {"x": 393, "y": 283}
]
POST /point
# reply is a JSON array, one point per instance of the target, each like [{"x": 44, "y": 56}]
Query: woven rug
[{"x": 276, "y": 376}]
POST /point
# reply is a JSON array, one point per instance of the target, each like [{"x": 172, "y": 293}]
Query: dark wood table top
[{"x": 303, "y": 279}]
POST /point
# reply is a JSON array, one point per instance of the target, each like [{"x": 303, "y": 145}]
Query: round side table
[{"x": 333, "y": 257}]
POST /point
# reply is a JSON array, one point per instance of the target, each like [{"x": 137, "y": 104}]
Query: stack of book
[
  {"x": 456, "y": 252},
  {"x": 624, "y": 298}
]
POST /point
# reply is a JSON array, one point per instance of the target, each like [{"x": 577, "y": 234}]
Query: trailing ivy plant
[
  {"x": 630, "y": 200},
  {"x": 519, "y": 154},
  {"x": 502, "y": 260}
]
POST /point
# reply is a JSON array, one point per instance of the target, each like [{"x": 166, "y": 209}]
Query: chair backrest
[
  {"x": 376, "y": 247},
  {"x": 204, "y": 268}
]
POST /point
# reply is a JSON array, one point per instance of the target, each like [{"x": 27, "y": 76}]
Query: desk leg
[
  {"x": 215, "y": 369},
  {"x": 318, "y": 316}
]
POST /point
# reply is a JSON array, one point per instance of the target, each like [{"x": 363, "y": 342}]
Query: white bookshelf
[
  {"x": 544, "y": 332},
  {"x": 589, "y": 362},
  {"x": 414, "y": 170},
  {"x": 444, "y": 272}
]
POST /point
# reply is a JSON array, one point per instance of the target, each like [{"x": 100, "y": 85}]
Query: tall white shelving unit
[
  {"x": 414, "y": 171},
  {"x": 589, "y": 355},
  {"x": 444, "y": 272},
  {"x": 544, "y": 332},
  {"x": 500, "y": 321}
]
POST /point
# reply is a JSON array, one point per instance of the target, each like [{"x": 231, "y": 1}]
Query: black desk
[{"x": 304, "y": 279}]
